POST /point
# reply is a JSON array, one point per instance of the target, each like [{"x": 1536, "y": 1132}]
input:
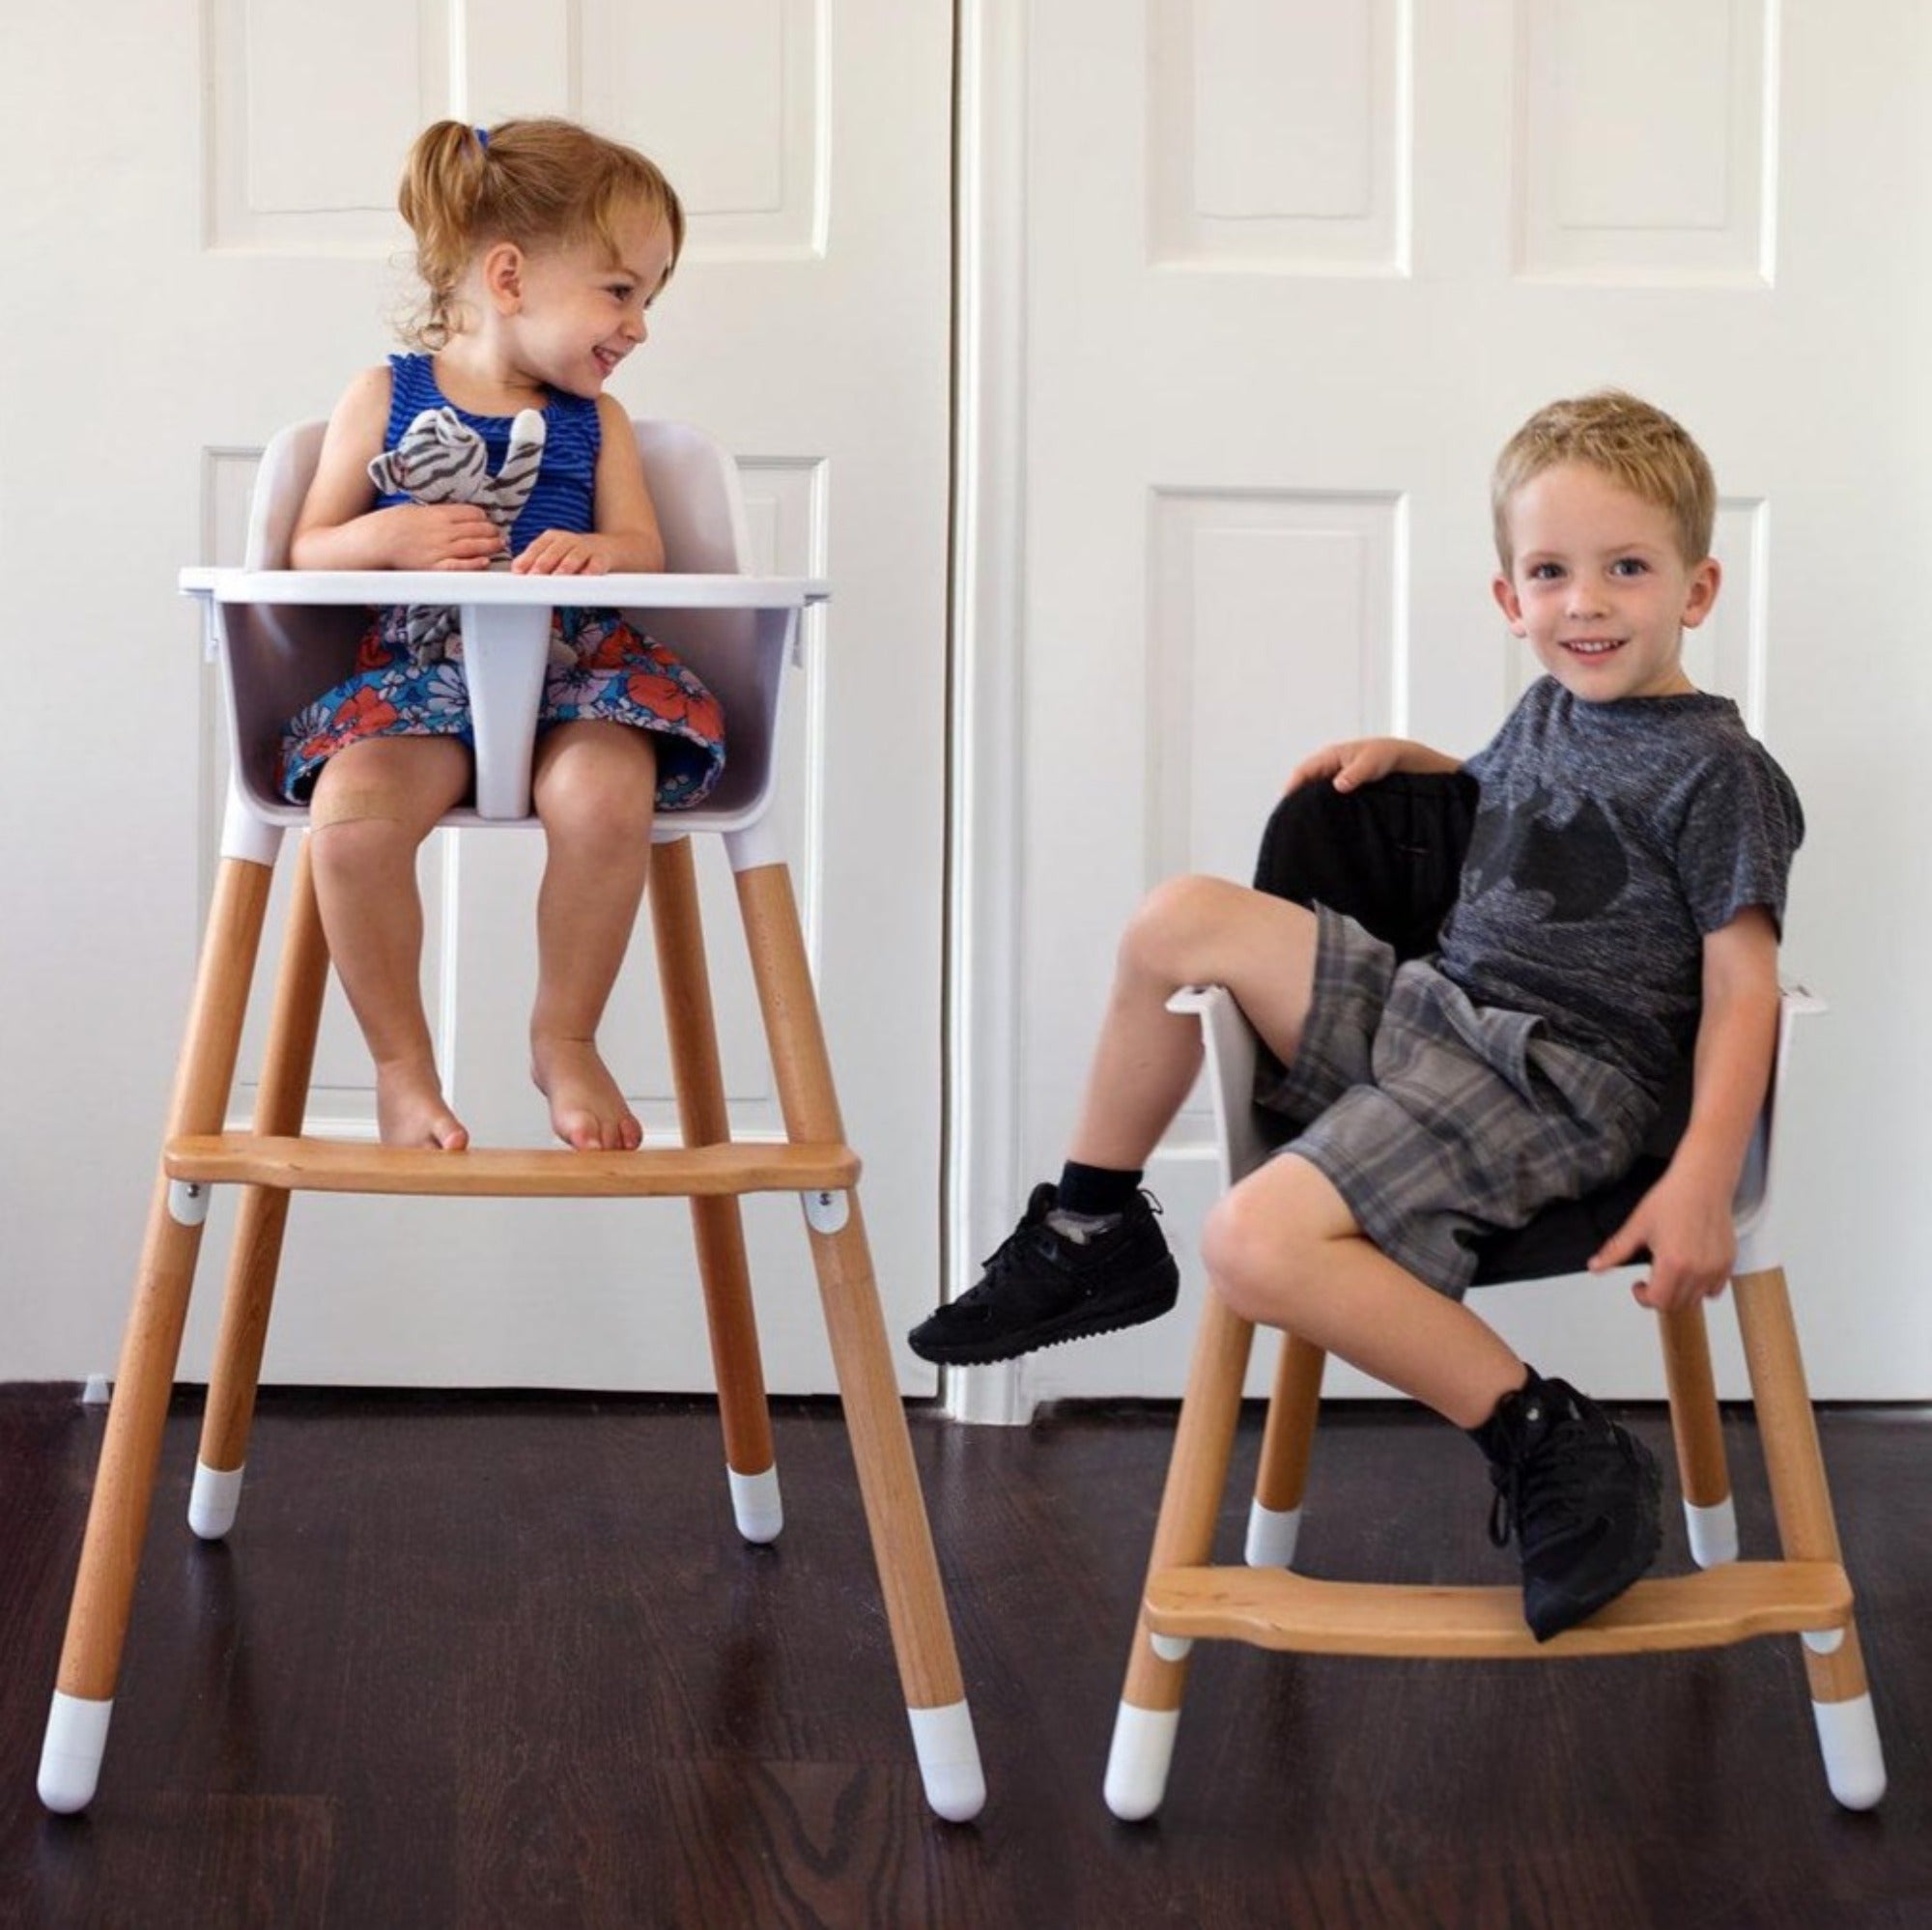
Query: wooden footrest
[
  {"x": 1275, "y": 1609},
  {"x": 349, "y": 1166}
]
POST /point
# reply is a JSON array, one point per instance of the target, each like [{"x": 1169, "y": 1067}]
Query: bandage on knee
[
  {"x": 410, "y": 782},
  {"x": 355, "y": 804}
]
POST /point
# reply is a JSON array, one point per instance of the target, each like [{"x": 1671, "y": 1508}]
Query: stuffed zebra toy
[{"x": 441, "y": 459}]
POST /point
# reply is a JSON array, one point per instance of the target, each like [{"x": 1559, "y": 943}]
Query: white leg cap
[
  {"x": 70, "y": 1757},
  {"x": 1272, "y": 1536},
  {"x": 1854, "y": 1761},
  {"x": 214, "y": 1501},
  {"x": 1712, "y": 1532},
  {"x": 949, "y": 1760},
  {"x": 1137, "y": 1761},
  {"x": 755, "y": 1504}
]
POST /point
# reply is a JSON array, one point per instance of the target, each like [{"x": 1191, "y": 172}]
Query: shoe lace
[
  {"x": 1032, "y": 1234},
  {"x": 1000, "y": 1262},
  {"x": 1544, "y": 1493}
]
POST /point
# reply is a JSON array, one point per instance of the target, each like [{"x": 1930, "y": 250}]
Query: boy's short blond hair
[{"x": 1636, "y": 445}]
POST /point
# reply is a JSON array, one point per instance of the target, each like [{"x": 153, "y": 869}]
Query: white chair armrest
[
  {"x": 1757, "y": 1184},
  {"x": 1231, "y": 1049}
]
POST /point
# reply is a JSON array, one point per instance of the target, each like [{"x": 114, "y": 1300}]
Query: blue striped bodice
[{"x": 564, "y": 494}]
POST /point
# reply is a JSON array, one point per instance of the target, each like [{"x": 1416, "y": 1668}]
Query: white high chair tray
[
  {"x": 286, "y": 636},
  {"x": 630, "y": 591}
]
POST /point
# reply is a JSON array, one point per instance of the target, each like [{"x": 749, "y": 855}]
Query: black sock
[
  {"x": 1490, "y": 1436},
  {"x": 1094, "y": 1190}
]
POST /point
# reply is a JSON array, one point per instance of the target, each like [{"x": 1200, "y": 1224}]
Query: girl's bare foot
[
  {"x": 586, "y": 1108},
  {"x": 411, "y": 1111}
]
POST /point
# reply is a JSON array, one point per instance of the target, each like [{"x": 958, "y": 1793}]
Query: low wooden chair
[
  {"x": 282, "y": 637},
  {"x": 1388, "y": 855}
]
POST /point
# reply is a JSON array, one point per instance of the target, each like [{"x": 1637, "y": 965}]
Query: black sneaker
[
  {"x": 1580, "y": 1494},
  {"x": 1044, "y": 1286}
]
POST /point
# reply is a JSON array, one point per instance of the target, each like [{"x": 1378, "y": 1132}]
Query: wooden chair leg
[
  {"x": 116, "y": 1520},
  {"x": 1709, "y": 1515},
  {"x": 1840, "y": 1696},
  {"x": 942, "y": 1724},
  {"x": 261, "y": 1217},
  {"x": 1274, "y": 1520},
  {"x": 1197, "y": 1476},
  {"x": 716, "y": 1224}
]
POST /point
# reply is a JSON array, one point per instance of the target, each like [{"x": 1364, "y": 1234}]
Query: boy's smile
[{"x": 1599, "y": 586}]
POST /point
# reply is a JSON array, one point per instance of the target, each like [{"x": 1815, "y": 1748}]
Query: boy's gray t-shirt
[{"x": 1610, "y": 841}]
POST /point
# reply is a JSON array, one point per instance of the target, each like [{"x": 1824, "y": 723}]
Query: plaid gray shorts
[{"x": 1438, "y": 1119}]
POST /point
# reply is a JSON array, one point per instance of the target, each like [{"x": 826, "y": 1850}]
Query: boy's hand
[
  {"x": 1686, "y": 1218},
  {"x": 1362, "y": 760},
  {"x": 1687, "y": 1226},
  {"x": 439, "y": 536}
]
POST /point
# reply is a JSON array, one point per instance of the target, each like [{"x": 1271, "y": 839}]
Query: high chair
[
  {"x": 284, "y": 636},
  {"x": 1186, "y": 1598}
]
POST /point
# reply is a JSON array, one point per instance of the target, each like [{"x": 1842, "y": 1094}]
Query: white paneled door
[
  {"x": 1295, "y": 268},
  {"x": 209, "y": 250}
]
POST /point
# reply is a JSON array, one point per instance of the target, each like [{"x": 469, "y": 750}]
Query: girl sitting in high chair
[{"x": 541, "y": 246}]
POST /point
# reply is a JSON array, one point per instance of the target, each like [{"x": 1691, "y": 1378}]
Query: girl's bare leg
[
  {"x": 1189, "y": 932},
  {"x": 1284, "y": 1250},
  {"x": 374, "y": 804},
  {"x": 595, "y": 789}
]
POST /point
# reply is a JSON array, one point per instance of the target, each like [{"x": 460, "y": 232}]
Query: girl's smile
[{"x": 566, "y": 318}]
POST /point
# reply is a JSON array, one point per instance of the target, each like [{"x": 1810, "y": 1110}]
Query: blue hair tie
[{"x": 483, "y": 138}]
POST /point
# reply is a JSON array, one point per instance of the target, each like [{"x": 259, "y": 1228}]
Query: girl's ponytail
[{"x": 442, "y": 185}]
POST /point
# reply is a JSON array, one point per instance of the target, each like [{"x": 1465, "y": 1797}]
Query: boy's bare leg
[
  {"x": 1284, "y": 1250},
  {"x": 1578, "y": 1493},
  {"x": 374, "y": 803},
  {"x": 595, "y": 788},
  {"x": 1189, "y": 931},
  {"x": 1087, "y": 1256}
]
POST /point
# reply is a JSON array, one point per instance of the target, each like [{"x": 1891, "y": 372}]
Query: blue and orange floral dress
[{"x": 600, "y": 666}]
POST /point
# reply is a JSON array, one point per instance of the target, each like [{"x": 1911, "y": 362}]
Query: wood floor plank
[{"x": 501, "y": 1659}]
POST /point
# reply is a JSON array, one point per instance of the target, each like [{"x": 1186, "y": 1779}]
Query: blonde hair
[
  {"x": 1638, "y": 446},
  {"x": 535, "y": 182}
]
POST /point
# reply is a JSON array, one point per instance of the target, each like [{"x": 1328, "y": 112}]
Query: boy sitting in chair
[{"x": 1617, "y": 917}]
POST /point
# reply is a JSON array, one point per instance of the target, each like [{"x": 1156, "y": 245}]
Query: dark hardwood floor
[{"x": 501, "y": 1661}]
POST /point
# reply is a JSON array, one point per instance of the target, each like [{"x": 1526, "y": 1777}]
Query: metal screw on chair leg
[
  {"x": 826, "y": 1212},
  {"x": 187, "y": 1201}
]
